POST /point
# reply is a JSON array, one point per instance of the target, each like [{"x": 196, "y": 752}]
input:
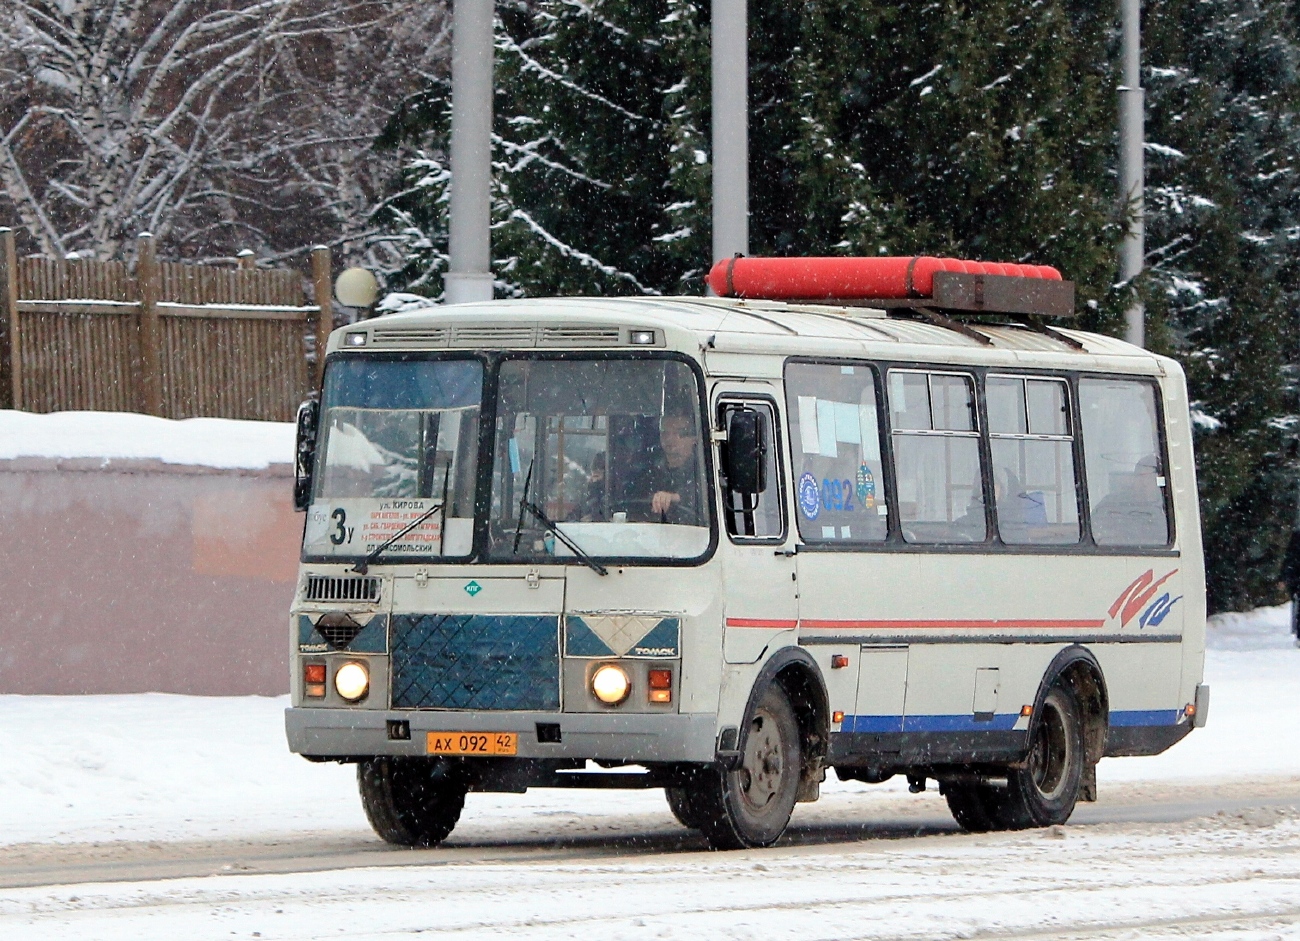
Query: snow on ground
[
  {"x": 157, "y": 767},
  {"x": 206, "y": 442},
  {"x": 1229, "y": 877},
  {"x": 164, "y": 767}
]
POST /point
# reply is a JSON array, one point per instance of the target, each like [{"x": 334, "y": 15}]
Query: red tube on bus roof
[{"x": 851, "y": 278}]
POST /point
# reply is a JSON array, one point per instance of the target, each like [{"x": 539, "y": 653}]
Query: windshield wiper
[
  {"x": 519, "y": 524},
  {"x": 364, "y": 565},
  {"x": 559, "y": 534}
]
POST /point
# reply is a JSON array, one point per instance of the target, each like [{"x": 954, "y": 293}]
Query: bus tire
[
  {"x": 1045, "y": 789},
  {"x": 409, "y": 801},
  {"x": 751, "y": 805},
  {"x": 679, "y": 802},
  {"x": 972, "y": 806}
]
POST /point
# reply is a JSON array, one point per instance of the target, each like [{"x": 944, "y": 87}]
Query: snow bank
[
  {"x": 205, "y": 442},
  {"x": 162, "y": 767}
]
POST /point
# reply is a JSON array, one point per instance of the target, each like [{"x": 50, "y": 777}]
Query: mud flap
[
  {"x": 810, "y": 783},
  {"x": 1088, "y": 782}
]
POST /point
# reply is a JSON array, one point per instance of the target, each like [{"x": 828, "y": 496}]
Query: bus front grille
[
  {"x": 475, "y": 661},
  {"x": 333, "y": 588}
]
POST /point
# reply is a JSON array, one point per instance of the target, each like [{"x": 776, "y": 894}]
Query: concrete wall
[{"x": 136, "y": 576}]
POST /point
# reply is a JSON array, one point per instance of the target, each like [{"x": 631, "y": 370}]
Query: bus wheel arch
[
  {"x": 1078, "y": 668},
  {"x": 798, "y": 676}
]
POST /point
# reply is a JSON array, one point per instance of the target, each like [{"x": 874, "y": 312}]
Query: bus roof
[{"x": 722, "y": 327}]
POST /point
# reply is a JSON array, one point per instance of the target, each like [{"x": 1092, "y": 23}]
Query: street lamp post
[
  {"x": 1131, "y": 106},
  {"x": 730, "y": 129},
  {"x": 469, "y": 275}
]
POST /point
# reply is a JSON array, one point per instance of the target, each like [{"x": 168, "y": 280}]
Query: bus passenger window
[
  {"x": 1123, "y": 460},
  {"x": 936, "y": 457},
  {"x": 753, "y": 516},
  {"x": 1033, "y": 461},
  {"x": 839, "y": 486}
]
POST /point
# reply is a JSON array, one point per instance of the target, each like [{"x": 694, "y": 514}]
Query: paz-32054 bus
[{"x": 731, "y": 542}]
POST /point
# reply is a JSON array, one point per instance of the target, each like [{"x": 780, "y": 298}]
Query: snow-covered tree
[
  {"x": 1223, "y": 201},
  {"x": 215, "y": 124},
  {"x": 600, "y": 167}
]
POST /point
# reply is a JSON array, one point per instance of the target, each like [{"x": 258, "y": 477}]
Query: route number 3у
[{"x": 342, "y": 532}]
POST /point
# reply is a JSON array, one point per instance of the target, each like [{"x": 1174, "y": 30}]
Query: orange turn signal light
[
  {"x": 839, "y": 661},
  {"x": 661, "y": 695},
  {"x": 837, "y": 716},
  {"x": 1026, "y": 711},
  {"x": 661, "y": 679},
  {"x": 313, "y": 679}
]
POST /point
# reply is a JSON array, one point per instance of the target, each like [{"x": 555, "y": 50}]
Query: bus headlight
[
  {"x": 610, "y": 684},
  {"x": 352, "y": 681}
]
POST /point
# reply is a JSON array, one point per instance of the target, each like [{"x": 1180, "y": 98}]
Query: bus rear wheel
[
  {"x": 410, "y": 801},
  {"x": 750, "y": 806},
  {"x": 1044, "y": 789}
]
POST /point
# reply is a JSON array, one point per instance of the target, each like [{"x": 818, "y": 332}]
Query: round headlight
[
  {"x": 610, "y": 684},
  {"x": 352, "y": 680}
]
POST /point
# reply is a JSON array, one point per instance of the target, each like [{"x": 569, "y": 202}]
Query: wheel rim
[
  {"x": 764, "y": 765},
  {"x": 1051, "y": 753}
]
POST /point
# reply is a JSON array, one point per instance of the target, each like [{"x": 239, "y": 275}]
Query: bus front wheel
[
  {"x": 410, "y": 801},
  {"x": 679, "y": 802},
  {"x": 750, "y": 806}
]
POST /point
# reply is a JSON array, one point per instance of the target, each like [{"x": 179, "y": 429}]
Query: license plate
[{"x": 472, "y": 743}]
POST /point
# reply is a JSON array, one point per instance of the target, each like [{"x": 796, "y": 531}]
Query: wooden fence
[{"x": 166, "y": 339}]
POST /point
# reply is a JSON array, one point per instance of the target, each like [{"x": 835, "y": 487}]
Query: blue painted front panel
[{"x": 472, "y": 661}]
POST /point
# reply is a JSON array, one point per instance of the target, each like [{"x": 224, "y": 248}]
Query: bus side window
[
  {"x": 753, "y": 516},
  {"x": 1033, "y": 460},
  {"x": 1124, "y": 463},
  {"x": 936, "y": 457},
  {"x": 839, "y": 484}
]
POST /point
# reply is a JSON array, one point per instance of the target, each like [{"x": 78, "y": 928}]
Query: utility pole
[
  {"x": 469, "y": 277},
  {"x": 730, "y": 129},
  {"x": 1131, "y": 105}
]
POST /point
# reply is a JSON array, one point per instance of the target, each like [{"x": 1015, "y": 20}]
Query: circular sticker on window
[{"x": 810, "y": 498}]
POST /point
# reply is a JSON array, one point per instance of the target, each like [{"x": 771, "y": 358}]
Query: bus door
[
  {"x": 846, "y": 583},
  {"x": 761, "y": 600}
]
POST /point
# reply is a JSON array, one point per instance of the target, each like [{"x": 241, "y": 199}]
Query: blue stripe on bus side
[
  {"x": 1139, "y": 717},
  {"x": 878, "y": 724},
  {"x": 967, "y": 723}
]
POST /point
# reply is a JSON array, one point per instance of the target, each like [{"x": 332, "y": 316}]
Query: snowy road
[{"x": 1231, "y": 875}]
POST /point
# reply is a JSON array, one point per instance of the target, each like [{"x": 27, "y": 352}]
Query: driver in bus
[{"x": 676, "y": 497}]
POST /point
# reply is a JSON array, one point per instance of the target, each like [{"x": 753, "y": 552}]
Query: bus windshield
[
  {"x": 608, "y": 450},
  {"x": 398, "y": 440}
]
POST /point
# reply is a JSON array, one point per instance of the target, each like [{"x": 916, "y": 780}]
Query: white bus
[{"x": 723, "y": 545}]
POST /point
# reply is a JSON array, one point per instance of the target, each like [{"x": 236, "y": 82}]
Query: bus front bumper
[{"x": 356, "y": 733}]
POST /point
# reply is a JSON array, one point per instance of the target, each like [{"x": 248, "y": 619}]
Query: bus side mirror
[
  {"x": 746, "y": 451},
  {"x": 304, "y": 458}
]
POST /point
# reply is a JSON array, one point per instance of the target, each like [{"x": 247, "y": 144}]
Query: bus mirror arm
[{"x": 304, "y": 458}]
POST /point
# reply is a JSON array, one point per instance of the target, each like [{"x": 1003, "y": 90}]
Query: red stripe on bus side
[
  {"x": 762, "y": 622},
  {"x": 1064, "y": 625}
]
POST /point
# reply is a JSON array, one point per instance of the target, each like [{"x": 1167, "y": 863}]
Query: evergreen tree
[
  {"x": 936, "y": 128},
  {"x": 600, "y": 172},
  {"x": 1223, "y": 206}
]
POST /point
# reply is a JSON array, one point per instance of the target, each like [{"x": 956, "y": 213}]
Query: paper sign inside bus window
[{"x": 824, "y": 425}]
